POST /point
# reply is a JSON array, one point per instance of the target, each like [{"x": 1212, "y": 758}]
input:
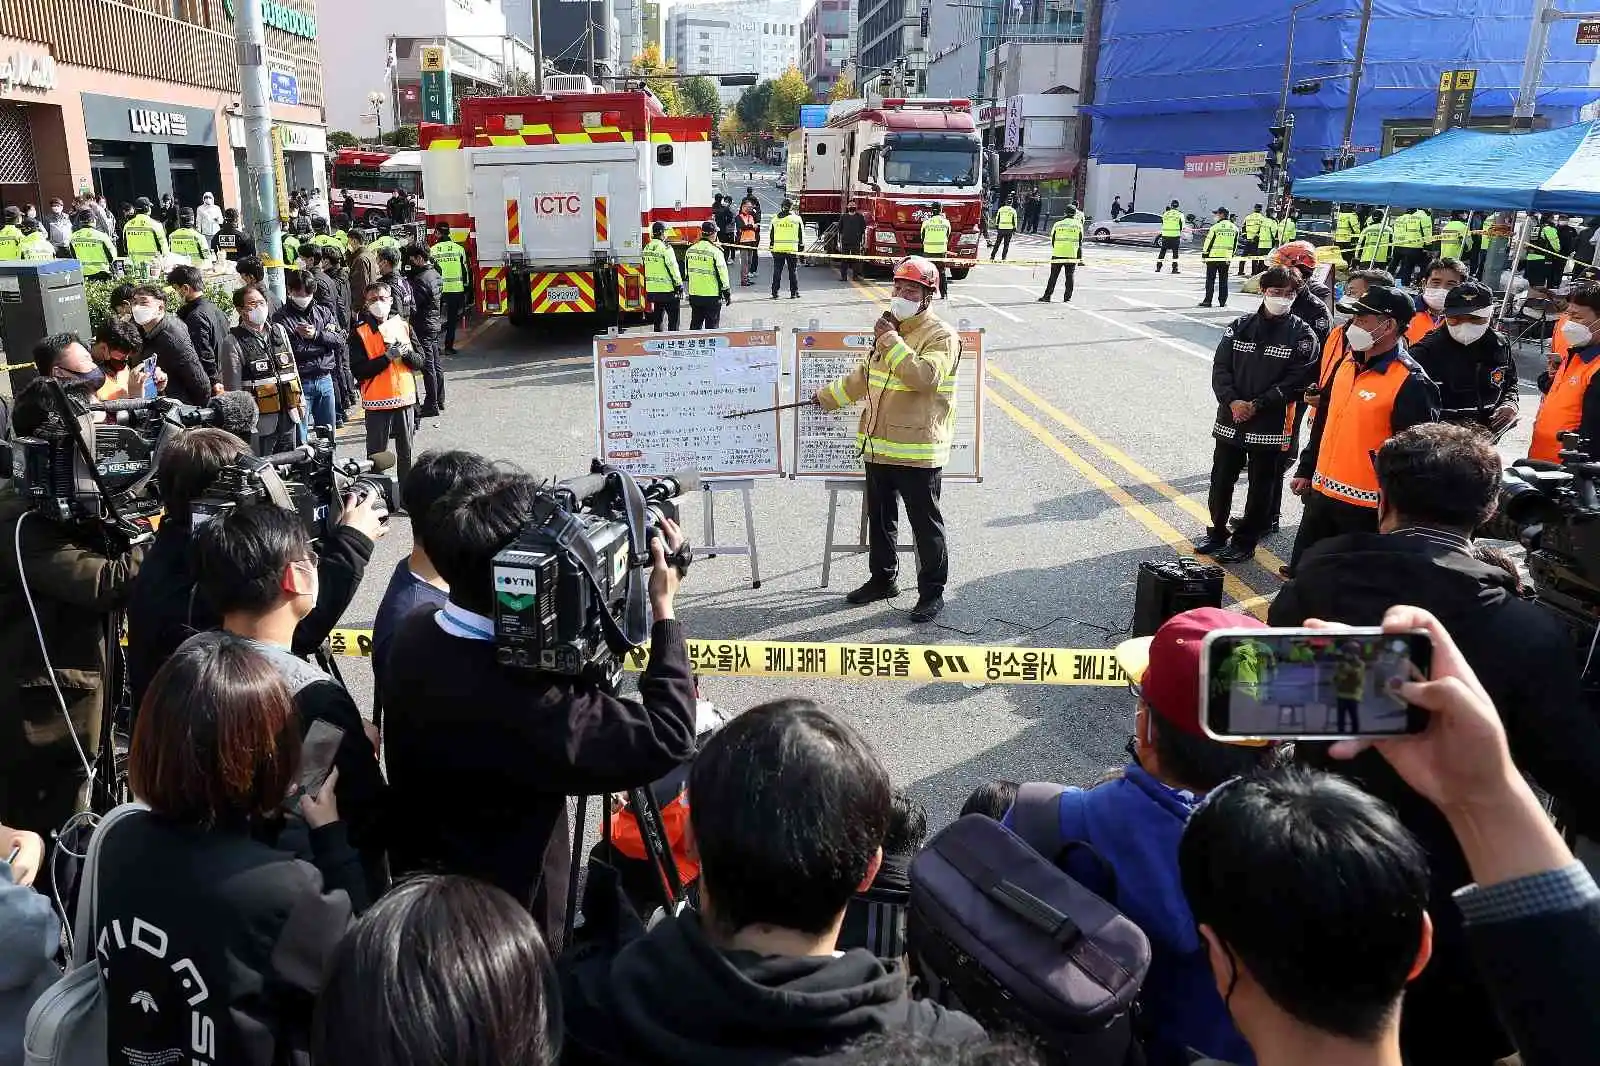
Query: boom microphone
[{"x": 236, "y": 413}]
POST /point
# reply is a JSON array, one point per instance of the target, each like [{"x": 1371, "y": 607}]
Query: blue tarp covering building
[{"x": 1181, "y": 78}]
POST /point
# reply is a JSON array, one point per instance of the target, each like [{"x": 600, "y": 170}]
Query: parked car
[{"x": 1135, "y": 227}]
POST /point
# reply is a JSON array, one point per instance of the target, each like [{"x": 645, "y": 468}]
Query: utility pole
[
  {"x": 1346, "y": 156},
  {"x": 538, "y": 50},
  {"x": 994, "y": 80},
  {"x": 261, "y": 190},
  {"x": 608, "y": 14}
]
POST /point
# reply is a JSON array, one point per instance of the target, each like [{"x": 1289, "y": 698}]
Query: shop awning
[{"x": 1042, "y": 168}]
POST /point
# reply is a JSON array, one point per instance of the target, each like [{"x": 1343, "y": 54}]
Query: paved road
[{"x": 1097, "y": 456}]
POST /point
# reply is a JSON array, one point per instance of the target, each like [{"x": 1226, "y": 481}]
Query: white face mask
[
  {"x": 1576, "y": 334},
  {"x": 1468, "y": 332},
  {"x": 301, "y": 302},
  {"x": 902, "y": 308},
  {"x": 379, "y": 309},
  {"x": 144, "y": 314},
  {"x": 1276, "y": 305},
  {"x": 1434, "y": 298},
  {"x": 1359, "y": 339},
  {"x": 257, "y": 315}
]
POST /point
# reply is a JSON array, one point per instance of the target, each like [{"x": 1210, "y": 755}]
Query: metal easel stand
[
  {"x": 831, "y": 545},
  {"x": 743, "y": 486}
]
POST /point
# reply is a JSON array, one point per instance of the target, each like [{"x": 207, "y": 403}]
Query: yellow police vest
[
  {"x": 1221, "y": 239},
  {"x": 1066, "y": 240},
  {"x": 660, "y": 267},
  {"x": 1287, "y": 231},
  {"x": 708, "y": 271},
  {"x": 1453, "y": 241},
  {"x": 187, "y": 242},
  {"x": 1345, "y": 227},
  {"x": 786, "y": 233},
  {"x": 1006, "y": 218},
  {"x": 451, "y": 259},
  {"x": 1252, "y": 225},
  {"x": 10, "y": 243},
  {"x": 1172, "y": 222},
  {"x": 142, "y": 238},
  {"x": 291, "y": 248},
  {"x": 94, "y": 250},
  {"x": 935, "y": 235},
  {"x": 36, "y": 248}
]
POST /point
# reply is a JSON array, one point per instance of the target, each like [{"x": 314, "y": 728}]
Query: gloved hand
[{"x": 727, "y": 299}]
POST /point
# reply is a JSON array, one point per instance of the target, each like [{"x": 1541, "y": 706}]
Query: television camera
[
  {"x": 570, "y": 589},
  {"x": 1553, "y": 510},
  {"x": 309, "y": 480}
]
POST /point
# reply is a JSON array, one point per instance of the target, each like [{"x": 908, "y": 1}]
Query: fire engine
[
  {"x": 893, "y": 157},
  {"x": 557, "y": 194}
]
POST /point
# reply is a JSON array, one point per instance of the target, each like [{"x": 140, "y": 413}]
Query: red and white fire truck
[
  {"x": 556, "y": 194},
  {"x": 893, "y": 157}
]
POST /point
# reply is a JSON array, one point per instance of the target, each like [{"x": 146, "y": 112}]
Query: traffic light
[
  {"x": 1264, "y": 182},
  {"x": 1277, "y": 145}
]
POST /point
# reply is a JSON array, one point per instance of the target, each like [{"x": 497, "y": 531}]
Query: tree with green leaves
[
  {"x": 752, "y": 106},
  {"x": 343, "y": 139},
  {"x": 656, "y": 73},
  {"x": 789, "y": 93},
  {"x": 699, "y": 97}
]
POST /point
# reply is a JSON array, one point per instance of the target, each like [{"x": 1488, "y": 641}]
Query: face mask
[
  {"x": 257, "y": 316},
  {"x": 379, "y": 309},
  {"x": 144, "y": 314},
  {"x": 89, "y": 381},
  {"x": 1576, "y": 334},
  {"x": 1360, "y": 339},
  {"x": 301, "y": 302},
  {"x": 1277, "y": 305},
  {"x": 902, "y": 308},
  {"x": 1434, "y": 298},
  {"x": 1468, "y": 332},
  {"x": 316, "y": 584},
  {"x": 113, "y": 364}
]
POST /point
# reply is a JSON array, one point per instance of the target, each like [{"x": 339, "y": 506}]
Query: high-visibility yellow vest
[
  {"x": 36, "y": 248},
  {"x": 1266, "y": 233},
  {"x": 451, "y": 259},
  {"x": 1287, "y": 231},
  {"x": 10, "y": 243},
  {"x": 1005, "y": 218},
  {"x": 94, "y": 250},
  {"x": 1172, "y": 222},
  {"x": 1345, "y": 227},
  {"x": 786, "y": 233},
  {"x": 291, "y": 248},
  {"x": 707, "y": 270},
  {"x": 1374, "y": 245},
  {"x": 144, "y": 238},
  {"x": 1066, "y": 240},
  {"x": 1407, "y": 232},
  {"x": 1221, "y": 239},
  {"x": 1252, "y": 225},
  {"x": 188, "y": 242},
  {"x": 660, "y": 267},
  {"x": 383, "y": 242},
  {"x": 935, "y": 235},
  {"x": 1454, "y": 239}
]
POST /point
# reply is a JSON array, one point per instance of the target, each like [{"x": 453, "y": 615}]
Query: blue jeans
[{"x": 320, "y": 401}]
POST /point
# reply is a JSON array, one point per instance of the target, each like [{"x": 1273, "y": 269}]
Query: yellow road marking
[{"x": 1144, "y": 475}]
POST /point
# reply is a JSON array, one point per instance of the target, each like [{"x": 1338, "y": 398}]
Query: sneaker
[
  {"x": 794, "y": 296},
  {"x": 874, "y": 590},
  {"x": 1044, "y": 299},
  {"x": 1205, "y": 303},
  {"x": 1235, "y": 553},
  {"x": 927, "y": 608},
  {"x": 1209, "y": 545},
  {"x": 774, "y": 296}
]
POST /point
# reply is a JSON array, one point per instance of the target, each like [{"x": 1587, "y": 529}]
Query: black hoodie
[
  {"x": 671, "y": 998},
  {"x": 1528, "y": 666}
]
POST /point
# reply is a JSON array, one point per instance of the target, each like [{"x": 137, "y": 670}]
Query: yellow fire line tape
[{"x": 945, "y": 663}]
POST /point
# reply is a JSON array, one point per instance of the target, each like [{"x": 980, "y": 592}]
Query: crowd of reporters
[{"x": 1313, "y": 906}]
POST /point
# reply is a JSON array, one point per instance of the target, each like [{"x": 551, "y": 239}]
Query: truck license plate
[{"x": 566, "y": 294}]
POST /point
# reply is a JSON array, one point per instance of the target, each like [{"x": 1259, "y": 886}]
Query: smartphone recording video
[{"x": 1311, "y": 684}]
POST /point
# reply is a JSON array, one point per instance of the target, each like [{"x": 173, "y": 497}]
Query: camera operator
[
  {"x": 258, "y": 570},
  {"x": 168, "y": 340},
  {"x": 482, "y": 757},
  {"x": 167, "y": 608},
  {"x": 59, "y": 583},
  {"x": 1437, "y": 483}
]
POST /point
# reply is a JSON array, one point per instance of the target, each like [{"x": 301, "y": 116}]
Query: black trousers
[
  {"x": 944, "y": 280},
  {"x": 432, "y": 375},
  {"x": 454, "y": 304},
  {"x": 919, "y": 487},
  {"x": 664, "y": 305},
  {"x": 1325, "y": 517},
  {"x": 848, "y": 267},
  {"x": 1066, "y": 270},
  {"x": 705, "y": 312},
  {"x": 1168, "y": 244},
  {"x": 779, "y": 261},
  {"x": 1002, "y": 244},
  {"x": 1217, "y": 281},
  {"x": 1227, "y": 462}
]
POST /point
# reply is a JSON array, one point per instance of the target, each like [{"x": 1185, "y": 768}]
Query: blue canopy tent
[{"x": 1465, "y": 170}]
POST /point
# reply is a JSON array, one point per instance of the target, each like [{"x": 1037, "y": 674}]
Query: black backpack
[{"x": 999, "y": 931}]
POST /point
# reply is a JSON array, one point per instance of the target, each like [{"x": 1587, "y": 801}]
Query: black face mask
[{"x": 80, "y": 384}]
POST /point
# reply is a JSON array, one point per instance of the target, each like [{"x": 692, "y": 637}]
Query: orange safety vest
[
  {"x": 1562, "y": 409},
  {"x": 1422, "y": 324},
  {"x": 749, "y": 232},
  {"x": 392, "y": 389},
  {"x": 1332, "y": 349},
  {"x": 1360, "y": 416},
  {"x": 116, "y": 386}
]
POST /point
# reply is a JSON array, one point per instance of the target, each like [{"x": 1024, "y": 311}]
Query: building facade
[
  {"x": 134, "y": 97},
  {"x": 734, "y": 37},
  {"x": 652, "y": 27},
  {"x": 891, "y": 47},
  {"x": 827, "y": 36}
]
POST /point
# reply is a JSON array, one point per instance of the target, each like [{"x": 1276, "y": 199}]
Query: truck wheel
[
  {"x": 521, "y": 312},
  {"x": 1102, "y": 235},
  {"x": 959, "y": 273}
]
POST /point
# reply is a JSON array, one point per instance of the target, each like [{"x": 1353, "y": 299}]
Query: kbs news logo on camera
[{"x": 556, "y": 204}]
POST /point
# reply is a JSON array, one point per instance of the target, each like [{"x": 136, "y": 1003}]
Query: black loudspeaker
[{"x": 1171, "y": 587}]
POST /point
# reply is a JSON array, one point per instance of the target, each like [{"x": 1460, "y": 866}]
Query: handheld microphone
[{"x": 236, "y": 413}]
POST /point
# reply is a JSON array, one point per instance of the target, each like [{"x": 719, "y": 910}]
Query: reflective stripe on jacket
[
  {"x": 935, "y": 235},
  {"x": 661, "y": 267},
  {"x": 395, "y": 386},
  {"x": 910, "y": 388},
  {"x": 1066, "y": 240}
]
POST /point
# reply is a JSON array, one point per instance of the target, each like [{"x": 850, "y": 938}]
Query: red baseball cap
[{"x": 1166, "y": 667}]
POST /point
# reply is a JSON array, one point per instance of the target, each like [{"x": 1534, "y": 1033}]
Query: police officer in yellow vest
[
  {"x": 143, "y": 238},
  {"x": 936, "y": 243},
  {"x": 662, "y": 280},
  {"x": 1288, "y": 228},
  {"x": 1217, "y": 252},
  {"x": 784, "y": 240},
  {"x": 909, "y": 384},
  {"x": 1171, "y": 235},
  {"x": 1373, "y": 247},
  {"x": 450, "y": 258},
  {"x": 1266, "y": 235},
  {"x": 1005, "y": 224},
  {"x": 11, "y": 235},
  {"x": 91, "y": 247},
  {"x": 1066, "y": 253},
  {"x": 707, "y": 279},
  {"x": 1455, "y": 237},
  {"x": 186, "y": 240},
  {"x": 36, "y": 247},
  {"x": 1252, "y": 235},
  {"x": 1346, "y": 228}
]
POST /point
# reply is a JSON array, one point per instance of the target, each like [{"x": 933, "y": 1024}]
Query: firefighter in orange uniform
[
  {"x": 1375, "y": 393},
  {"x": 1569, "y": 403},
  {"x": 386, "y": 357}
]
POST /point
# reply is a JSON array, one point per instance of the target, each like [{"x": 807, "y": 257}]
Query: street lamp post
[
  {"x": 376, "y": 99},
  {"x": 1346, "y": 154}
]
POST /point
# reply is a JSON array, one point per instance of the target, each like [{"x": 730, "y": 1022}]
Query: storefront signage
[
  {"x": 302, "y": 138},
  {"x": 1589, "y": 31},
  {"x": 1223, "y": 164},
  {"x": 116, "y": 118},
  {"x": 284, "y": 87},
  {"x": 280, "y": 17},
  {"x": 1013, "y": 135},
  {"x": 27, "y": 70},
  {"x": 1453, "y": 105}
]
